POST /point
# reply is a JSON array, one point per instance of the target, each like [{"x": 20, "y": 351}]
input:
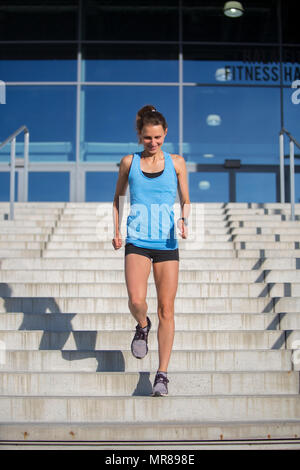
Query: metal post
[
  {"x": 180, "y": 73},
  {"x": 78, "y": 111},
  {"x": 78, "y": 188},
  {"x": 281, "y": 149},
  {"x": 180, "y": 105},
  {"x": 12, "y": 177},
  {"x": 26, "y": 164},
  {"x": 292, "y": 179}
]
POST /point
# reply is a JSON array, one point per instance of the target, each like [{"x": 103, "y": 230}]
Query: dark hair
[{"x": 149, "y": 115}]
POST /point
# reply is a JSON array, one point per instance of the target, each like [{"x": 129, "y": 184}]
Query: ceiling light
[
  {"x": 213, "y": 120},
  {"x": 223, "y": 74},
  {"x": 204, "y": 185},
  {"x": 233, "y": 9}
]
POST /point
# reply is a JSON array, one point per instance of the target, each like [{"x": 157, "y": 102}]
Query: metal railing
[
  {"x": 12, "y": 140},
  {"x": 293, "y": 142}
]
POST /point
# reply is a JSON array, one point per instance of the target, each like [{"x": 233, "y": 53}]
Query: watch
[{"x": 185, "y": 220}]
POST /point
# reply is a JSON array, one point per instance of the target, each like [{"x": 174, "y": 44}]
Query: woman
[{"x": 153, "y": 177}]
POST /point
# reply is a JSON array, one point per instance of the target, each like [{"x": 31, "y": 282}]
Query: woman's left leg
[{"x": 166, "y": 280}]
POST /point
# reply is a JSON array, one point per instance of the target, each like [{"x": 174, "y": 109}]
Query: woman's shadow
[{"x": 44, "y": 314}]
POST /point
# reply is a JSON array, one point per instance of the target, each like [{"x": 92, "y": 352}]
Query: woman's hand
[
  {"x": 183, "y": 228},
  {"x": 117, "y": 242}
]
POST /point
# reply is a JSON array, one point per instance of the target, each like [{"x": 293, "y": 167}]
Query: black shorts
[{"x": 156, "y": 255}]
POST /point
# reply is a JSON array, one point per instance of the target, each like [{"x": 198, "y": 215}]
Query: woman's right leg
[{"x": 137, "y": 270}]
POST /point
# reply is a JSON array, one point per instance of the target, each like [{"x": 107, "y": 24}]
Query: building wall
[{"x": 75, "y": 73}]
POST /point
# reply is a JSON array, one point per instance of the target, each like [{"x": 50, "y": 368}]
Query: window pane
[
  {"x": 297, "y": 185},
  {"x": 292, "y": 123},
  {"x": 256, "y": 187},
  {"x": 49, "y": 186},
  {"x": 231, "y": 123},
  {"x": 291, "y": 65},
  {"x": 287, "y": 179},
  {"x": 38, "y": 62},
  {"x": 209, "y": 187},
  {"x": 232, "y": 65},
  {"x": 100, "y": 185},
  {"x": 123, "y": 62},
  {"x": 290, "y": 12},
  {"x": 49, "y": 112},
  {"x": 292, "y": 114},
  {"x": 44, "y": 20},
  {"x": 5, "y": 185},
  {"x": 205, "y": 21},
  {"x": 109, "y": 119},
  {"x": 137, "y": 20}
]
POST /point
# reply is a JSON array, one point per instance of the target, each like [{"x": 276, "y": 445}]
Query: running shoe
[
  {"x": 139, "y": 345},
  {"x": 160, "y": 387}
]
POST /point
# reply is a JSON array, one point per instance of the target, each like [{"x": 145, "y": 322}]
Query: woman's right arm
[{"x": 118, "y": 202}]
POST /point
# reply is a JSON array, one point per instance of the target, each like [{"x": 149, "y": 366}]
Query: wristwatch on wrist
[{"x": 185, "y": 220}]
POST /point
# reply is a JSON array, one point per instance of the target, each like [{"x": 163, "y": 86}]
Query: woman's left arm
[{"x": 183, "y": 191}]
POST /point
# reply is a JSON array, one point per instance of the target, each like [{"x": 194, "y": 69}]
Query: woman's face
[{"x": 152, "y": 137}]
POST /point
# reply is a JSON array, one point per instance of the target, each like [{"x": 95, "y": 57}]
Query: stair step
[
  {"x": 184, "y": 434},
  {"x": 23, "y": 237},
  {"x": 80, "y": 275},
  {"x": 11, "y": 230},
  {"x": 122, "y": 321},
  {"x": 121, "y": 361},
  {"x": 146, "y": 409},
  {"x": 203, "y": 249},
  {"x": 257, "y": 214},
  {"x": 24, "y": 222},
  {"x": 140, "y": 384},
  {"x": 116, "y": 276},
  {"x": 121, "y": 340},
  {"x": 209, "y": 237},
  {"x": 119, "y": 304},
  {"x": 205, "y": 253},
  {"x": 113, "y": 263},
  {"x": 191, "y": 290},
  {"x": 98, "y": 253},
  {"x": 98, "y": 245}
]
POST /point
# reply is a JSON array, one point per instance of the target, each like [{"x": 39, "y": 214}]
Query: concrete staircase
[{"x": 67, "y": 376}]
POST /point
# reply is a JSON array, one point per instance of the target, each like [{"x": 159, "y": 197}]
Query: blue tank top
[{"x": 150, "y": 223}]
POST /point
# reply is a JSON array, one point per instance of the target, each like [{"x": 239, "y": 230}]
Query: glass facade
[{"x": 75, "y": 73}]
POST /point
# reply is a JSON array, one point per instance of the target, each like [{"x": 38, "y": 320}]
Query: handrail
[
  {"x": 13, "y": 135},
  {"x": 293, "y": 142},
  {"x": 284, "y": 131},
  {"x": 12, "y": 140}
]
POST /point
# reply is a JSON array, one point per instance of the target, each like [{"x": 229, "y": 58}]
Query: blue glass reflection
[
  {"x": 292, "y": 111},
  {"x": 49, "y": 186},
  {"x": 49, "y": 112},
  {"x": 291, "y": 98},
  {"x": 223, "y": 123},
  {"x": 100, "y": 186},
  {"x": 5, "y": 186},
  {"x": 256, "y": 187},
  {"x": 131, "y": 70},
  {"x": 108, "y": 131},
  {"x": 209, "y": 187},
  {"x": 297, "y": 186},
  {"x": 38, "y": 70}
]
